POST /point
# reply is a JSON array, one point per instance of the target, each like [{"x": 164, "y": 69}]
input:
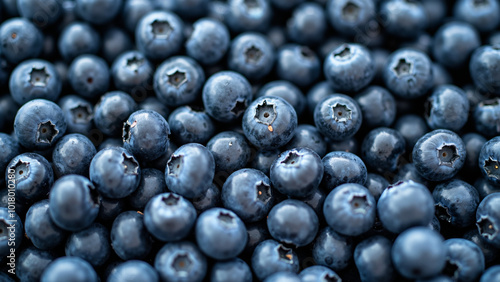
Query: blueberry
[
  {"x": 263, "y": 159},
  {"x": 484, "y": 187},
  {"x": 269, "y": 122},
  {"x": 342, "y": 167},
  {"x": 382, "y": 149},
  {"x": 447, "y": 108},
  {"x": 91, "y": 244},
  {"x": 20, "y": 39},
  {"x": 181, "y": 261},
  {"x": 39, "y": 227},
  {"x": 283, "y": 276},
  {"x": 110, "y": 209},
  {"x": 488, "y": 219},
  {"x": 307, "y": 24},
  {"x": 439, "y": 155},
  {"x": 98, "y": 12},
  {"x": 404, "y": 205},
  {"x": 69, "y": 268},
  {"x": 8, "y": 110},
  {"x": 338, "y": 117},
  {"x": 308, "y": 136},
  {"x": 350, "y": 17},
  {"x": 454, "y": 42},
  {"x": 190, "y": 170},
  {"x": 210, "y": 199},
  {"x": 115, "y": 172},
  {"x": 412, "y": 127},
  {"x": 376, "y": 184},
  {"x": 317, "y": 93},
  {"x": 487, "y": 117},
  {"x": 270, "y": 257},
  {"x": 456, "y": 202},
  {"x": 332, "y": 250},
  {"x": 402, "y": 18},
  {"x": 318, "y": 273},
  {"x": 208, "y": 42},
  {"x": 248, "y": 15},
  {"x": 252, "y": 55},
  {"x": 350, "y": 145},
  {"x": 480, "y": 67},
  {"x": 409, "y": 172},
  {"x": 11, "y": 230},
  {"x": 491, "y": 274},
  {"x": 298, "y": 64},
  {"x": 190, "y": 125},
  {"x": 464, "y": 260},
  {"x": 133, "y": 270},
  {"x": 191, "y": 9},
  {"x": 78, "y": 38},
  {"x": 230, "y": 150},
  {"x": 419, "y": 252},
  {"x": 473, "y": 144},
  {"x": 373, "y": 259},
  {"x": 377, "y": 105},
  {"x": 9, "y": 148},
  {"x": 115, "y": 42},
  {"x": 78, "y": 112},
  {"x": 154, "y": 104},
  {"x": 32, "y": 263},
  {"x": 89, "y": 76},
  {"x": 232, "y": 270},
  {"x": 72, "y": 155},
  {"x": 489, "y": 251},
  {"x": 152, "y": 183},
  {"x": 285, "y": 90},
  {"x": 132, "y": 72},
  {"x": 112, "y": 111},
  {"x": 484, "y": 15},
  {"x": 129, "y": 236},
  {"x": 220, "y": 234}
]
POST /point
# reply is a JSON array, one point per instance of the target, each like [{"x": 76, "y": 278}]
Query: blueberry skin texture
[
  {"x": 152, "y": 183},
  {"x": 447, "y": 108},
  {"x": 20, "y": 39},
  {"x": 404, "y": 205},
  {"x": 350, "y": 17},
  {"x": 89, "y": 76},
  {"x": 132, "y": 72},
  {"x": 418, "y": 253},
  {"x": 488, "y": 219},
  {"x": 332, "y": 250},
  {"x": 76, "y": 39},
  {"x": 382, "y": 149},
  {"x": 473, "y": 144},
  {"x": 373, "y": 259},
  {"x": 491, "y": 274},
  {"x": 409, "y": 172},
  {"x": 8, "y": 220},
  {"x": 115, "y": 42},
  {"x": 343, "y": 167},
  {"x": 263, "y": 160},
  {"x": 73, "y": 203},
  {"x": 482, "y": 15},
  {"x": 78, "y": 112},
  {"x": 129, "y": 236},
  {"x": 208, "y": 42},
  {"x": 307, "y": 24},
  {"x": 481, "y": 63},
  {"x": 133, "y": 270},
  {"x": 233, "y": 270},
  {"x": 98, "y": 12},
  {"x": 178, "y": 81},
  {"x": 489, "y": 157},
  {"x": 241, "y": 16},
  {"x": 317, "y": 93},
  {"x": 226, "y": 95},
  {"x": 169, "y": 217},
  {"x": 297, "y": 172},
  {"x": 33, "y": 176},
  {"x": 9, "y": 148},
  {"x": 248, "y": 193},
  {"x": 110, "y": 209},
  {"x": 466, "y": 256},
  {"x": 34, "y": 79},
  {"x": 39, "y": 227},
  {"x": 283, "y": 276},
  {"x": 269, "y": 122},
  {"x": 230, "y": 150},
  {"x": 338, "y": 117},
  {"x": 251, "y": 54},
  {"x": 377, "y": 105},
  {"x": 170, "y": 262},
  {"x": 69, "y": 269},
  {"x": 484, "y": 187},
  {"x": 210, "y": 199},
  {"x": 350, "y": 209},
  {"x": 154, "y": 104},
  {"x": 318, "y": 273},
  {"x": 487, "y": 116},
  {"x": 72, "y": 155},
  {"x": 412, "y": 127},
  {"x": 190, "y": 125},
  {"x": 270, "y": 257},
  {"x": 91, "y": 244},
  {"x": 376, "y": 184},
  {"x": 456, "y": 202},
  {"x": 408, "y": 73},
  {"x": 454, "y": 42},
  {"x": 349, "y": 68},
  {"x": 285, "y": 90},
  {"x": 220, "y": 234},
  {"x": 159, "y": 35},
  {"x": 298, "y": 64},
  {"x": 431, "y": 155},
  {"x": 308, "y": 136},
  {"x": 403, "y": 19},
  {"x": 112, "y": 110},
  {"x": 190, "y": 170},
  {"x": 32, "y": 263}
]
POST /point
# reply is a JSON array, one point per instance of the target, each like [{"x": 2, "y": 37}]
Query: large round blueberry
[
  {"x": 483, "y": 14},
  {"x": 350, "y": 17},
  {"x": 270, "y": 257},
  {"x": 464, "y": 260},
  {"x": 456, "y": 202},
  {"x": 112, "y": 111},
  {"x": 377, "y": 105},
  {"x": 78, "y": 38},
  {"x": 318, "y": 273},
  {"x": 190, "y": 125},
  {"x": 132, "y": 72},
  {"x": 447, "y": 108},
  {"x": 298, "y": 64},
  {"x": 252, "y": 55},
  {"x": 133, "y": 270},
  {"x": 482, "y": 70},
  {"x": 91, "y": 244},
  {"x": 32, "y": 263},
  {"x": 230, "y": 150},
  {"x": 338, "y": 117},
  {"x": 244, "y": 15},
  {"x": 454, "y": 42},
  {"x": 307, "y": 24},
  {"x": 487, "y": 117},
  {"x": 79, "y": 114},
  {"x": 69, "y": 269},
  {"x": 332, "y": 249},
  {"x": 373, "y": 259},
  {"x": 208, "y": 41},
  {"x": 129, "y": 237},
  {"x": 382, "y": 149},
  {"x": 342, "y": 167},
  {"x": 181, "y": 261},
  {"x": 20, "y": 39},
  {"x": 401, "y": 18},
  {"x": 89, "y": 76},
  {"x": 72, "y": 155},
  {"x": 39, "y": 227},
  {"x": 488, "y": 219}
]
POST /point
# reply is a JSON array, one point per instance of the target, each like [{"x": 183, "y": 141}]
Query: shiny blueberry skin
[
  {"x": 226, "y": 95},
  {"x": 489, "y": 251},
  {"x": 73, "y": 203},
  {"x": 7, "y": 220},
  {"x": 76, "y": 39},
  {"x": 343, "y": 167},
  {"x": 270, "y": 257},
  {"x": 129, "y": 236},
  {"x": 483, "y": 15},
  {"x": 72, "y": 155},
  {"x": 373, "y": 259},
  {"x": 252, "y": 55},
  {"x": 332, "y": 249},
  {"x": 406, "y": 19},
  {"x": 220, "y": 234},
  {"x": 133, "y": 270},
  {"x": 297, "y": 172},
  {"x": 32, "y": 263},
  {"x": 181, "y": 261},
  {"x": 190, "y": 125},
  {"x": 318, "y": 273},
  {"x": 210, "y": 199},
  {"x": 484, "y": 187},
  {"x": 350, "y": 17},
  {"x": 298, "y": 64},
  {"x": 9, "y": 148},
  {"x": 285, "y": 90},
  {"x": 132, "y": 72},
  {"x": 473, "y": 144},
  {"x": 69, "y": 269},
  {"x": 89, "y": 76},
  {"x": 377, "y": 105},
  {"x": 146, "y": 135},
  {"x": 376, "y": 184},
  {"x": 263, "y": 159},
  {"x": 269, "y": 122},
  {"x": 115, "y": 172},
  {"x": 98, "y": 12},
  {"x": 112, "y": 111},
  {"x": 349, "y": 68},
  {"x": 456, "y": 202},
  {"x": 486, "y": 117},
  {"x": 409, "y": 172},
  {"x": 33, "y": 176},
  {"x": 317, "y": 93},
  {"x": 39, "y": 227},
  {"x": 232, "y": 270},
  {"x": 350, "y": 209},
  {"x": 91, "y": 244},
  {"x": 308, "y": 136},
  {"x": 408, "y": 73},
  {"x": 338, "y": 117},
  {"x": 230, "y": 150},
  {"x": 418, "y": 253},
  {"x": 382, "y": 149},
  {"x": 20, "y": 39},
  {"x": 159, "y": 35},
  {"x": 454, "y": 42},
  {"x": 110, "y": 209},
  {"x": 412, "y": 127},
  {"x": 439, "y": 155},
  {"x": 116, "y": 41},
  {"x": 482, "y": 72},
  {"x": 307, "y": 24},
  {"x": 169, "y": 217},
  {"x": 248, "y": 16},
  {"x": 464, "y": 260},
  {"x": 404, "y": 205},
  {"x": 488, "y": 219},
  {"x": 152, "y": 183},
  {"x": 447, "y": 108},
  {"x": 78, "y": 112},
  {"x": 283, "y": 276},
  {"x": 491, "y": 274},
  {"x": 208, "y": 42},
  {"x": 34, "y": 79},
  {"x": 190, "y": 170}
]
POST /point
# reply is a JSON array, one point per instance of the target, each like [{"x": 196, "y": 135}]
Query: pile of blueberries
[{"x": 250, "y": 140}]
